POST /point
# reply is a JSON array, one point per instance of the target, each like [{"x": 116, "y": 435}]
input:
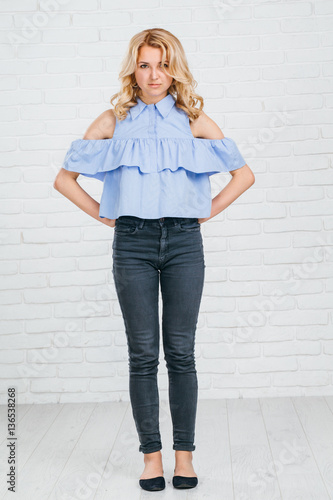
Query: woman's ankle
[
  {"x": 183, "y": 453},
  {"x": 155, "y": 455},
  {"x": 183, "y": 457}
]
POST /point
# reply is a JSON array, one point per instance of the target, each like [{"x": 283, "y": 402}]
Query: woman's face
[{"x": 149, "y": 71}]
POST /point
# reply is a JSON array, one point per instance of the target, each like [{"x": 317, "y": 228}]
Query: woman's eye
[{"x": 144, "y": 65}]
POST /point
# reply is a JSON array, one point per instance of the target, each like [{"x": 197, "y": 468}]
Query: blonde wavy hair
[{"x": 182, "y": 87}]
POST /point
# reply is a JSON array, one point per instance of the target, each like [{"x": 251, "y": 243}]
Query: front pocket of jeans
[
  {"x": 125, "y": 229},
  {"x": 189, "y": 226}
]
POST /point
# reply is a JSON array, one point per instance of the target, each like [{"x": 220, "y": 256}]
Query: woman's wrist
[{"x": 108, "y": 222}]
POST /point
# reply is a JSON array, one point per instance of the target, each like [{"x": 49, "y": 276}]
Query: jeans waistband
[{"x": 165, "y": 220}]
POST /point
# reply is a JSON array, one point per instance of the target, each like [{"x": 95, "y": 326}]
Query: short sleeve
[
  {"x": 227, "y": 155},
  {"x": 81, "y": 158}
]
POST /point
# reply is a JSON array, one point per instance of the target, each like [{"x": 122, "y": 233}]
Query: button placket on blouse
[{"x": 152, "y": 135}]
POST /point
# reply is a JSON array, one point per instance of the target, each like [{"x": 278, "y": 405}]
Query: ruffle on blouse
[{"x": 93, "y": 158}]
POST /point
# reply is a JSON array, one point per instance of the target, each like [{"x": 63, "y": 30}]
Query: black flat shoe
[
  {"x": 182, "y": 482},
  {"x": 153, "y": 484}
]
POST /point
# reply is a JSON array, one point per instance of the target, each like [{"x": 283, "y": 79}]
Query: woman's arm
[
  {"x": 66, "y": 181},
  {"x": 242, "y": 178}
]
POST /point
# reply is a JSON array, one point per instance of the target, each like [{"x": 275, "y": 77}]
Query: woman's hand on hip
[
  {"x": 203, "y": 219},
  {"x": 109, "y": 222}
]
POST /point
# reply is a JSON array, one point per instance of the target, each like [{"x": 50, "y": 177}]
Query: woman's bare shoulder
[
  {"x": 102, "y": 127},
  {"x": 205, "y": 128}
]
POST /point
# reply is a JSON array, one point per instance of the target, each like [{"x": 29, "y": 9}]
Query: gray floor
[{"x": 260, "y": 449}]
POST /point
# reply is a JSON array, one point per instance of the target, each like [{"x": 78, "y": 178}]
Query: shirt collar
[{"x": 164, "y": 106}]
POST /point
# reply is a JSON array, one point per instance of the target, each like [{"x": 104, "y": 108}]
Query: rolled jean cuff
[
  {"x": 150, "y": 449},
  {"x": 184, "y": 447}
]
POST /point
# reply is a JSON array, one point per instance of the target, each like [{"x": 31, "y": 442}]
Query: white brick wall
[{"x": 265, "y": 69}]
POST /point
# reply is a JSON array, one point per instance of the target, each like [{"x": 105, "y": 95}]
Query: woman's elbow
[
  {"x": 63, "y": 177},
  {"x": 249, "y": 175},
  {"x": 245, "y": 174},
  {"x": 56, "y": 182}
]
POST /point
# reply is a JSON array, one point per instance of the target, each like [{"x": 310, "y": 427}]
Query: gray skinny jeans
[{"x": 148, "y": 253}]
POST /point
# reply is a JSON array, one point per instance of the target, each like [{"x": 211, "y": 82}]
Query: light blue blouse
[{"x": 153, "y": 166}]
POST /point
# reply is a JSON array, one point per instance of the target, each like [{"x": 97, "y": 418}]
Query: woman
[{"x": 155, "y": 152}]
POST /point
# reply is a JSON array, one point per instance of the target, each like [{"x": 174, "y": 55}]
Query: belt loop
[{"x": 141, "y": 223}]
